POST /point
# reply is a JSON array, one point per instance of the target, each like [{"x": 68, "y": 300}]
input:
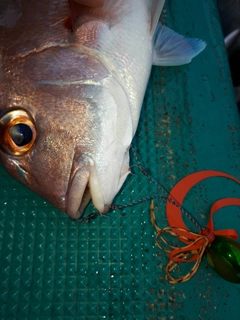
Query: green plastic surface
[{"x": 53, "y": 268}]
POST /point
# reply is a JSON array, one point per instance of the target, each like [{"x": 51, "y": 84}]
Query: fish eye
[
  {"x": 21, "y": 134},
  {"x": 17, "y": 132}
]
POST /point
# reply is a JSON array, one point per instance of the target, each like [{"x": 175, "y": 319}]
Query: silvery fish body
[{"x": 72, "y": 82}]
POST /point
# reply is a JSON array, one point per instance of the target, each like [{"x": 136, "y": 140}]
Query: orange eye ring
[{"x": 8, "y": 122}]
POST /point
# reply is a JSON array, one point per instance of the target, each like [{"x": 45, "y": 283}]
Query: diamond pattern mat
[{"x": 110, "y": 268}]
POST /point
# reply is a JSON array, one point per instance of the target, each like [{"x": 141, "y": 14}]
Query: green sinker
[{"x": 224, "y": 257}]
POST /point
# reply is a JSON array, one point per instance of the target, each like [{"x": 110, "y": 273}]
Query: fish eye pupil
[{"x": 21, "y": 134}]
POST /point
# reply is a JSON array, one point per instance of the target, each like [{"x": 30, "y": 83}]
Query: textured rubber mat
[{"x": 110, "y": 268}]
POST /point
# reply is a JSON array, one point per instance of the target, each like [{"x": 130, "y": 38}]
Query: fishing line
[
  {"x": 222, "y": 251},
  {"x": 165, "y": 197}
]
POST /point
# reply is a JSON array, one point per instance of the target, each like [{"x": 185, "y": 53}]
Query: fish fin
[
  {"x": 173, "y": 49},
  {"x": 156, "y": 10}
]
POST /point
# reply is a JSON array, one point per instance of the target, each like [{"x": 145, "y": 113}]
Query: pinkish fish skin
[{"x": 76, "y": 76}]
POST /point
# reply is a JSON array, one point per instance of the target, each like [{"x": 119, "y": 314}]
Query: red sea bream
[{"x": 72, "y": 82}]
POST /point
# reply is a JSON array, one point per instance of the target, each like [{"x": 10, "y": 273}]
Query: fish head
[{"x": 65, "y": 128}]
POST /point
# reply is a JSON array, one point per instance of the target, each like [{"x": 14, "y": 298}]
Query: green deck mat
[{"x": 53, "y": 268}]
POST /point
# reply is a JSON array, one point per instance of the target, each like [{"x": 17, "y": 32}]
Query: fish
[{"x": 72, "y": 83}]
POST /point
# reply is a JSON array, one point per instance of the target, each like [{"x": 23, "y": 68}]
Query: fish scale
[
  {"x": 54, "y": 268},
  {"x": 77, "y": 77}
]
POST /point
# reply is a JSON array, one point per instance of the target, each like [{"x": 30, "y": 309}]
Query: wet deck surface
[{"x": 53, "y": 268}]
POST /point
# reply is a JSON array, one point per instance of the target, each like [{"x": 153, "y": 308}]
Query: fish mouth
[{"x": 84, "y": 186}]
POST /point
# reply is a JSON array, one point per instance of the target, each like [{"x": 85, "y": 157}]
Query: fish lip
[
  {"x": 76, "y": 188},
  {"x": 83, "y": 186}
]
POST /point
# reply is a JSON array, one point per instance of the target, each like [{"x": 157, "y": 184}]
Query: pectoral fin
[{"x": 173, "y": 49}]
